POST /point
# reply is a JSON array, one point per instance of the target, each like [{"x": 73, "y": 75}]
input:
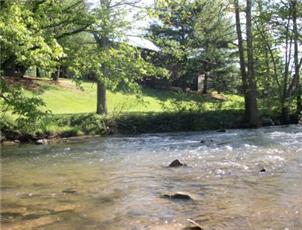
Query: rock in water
[
  {"x": 221, "y": 130},
  {"x": 204, "y": 141},
  {"x": 42, "y": 142},
  {"x": 178, "y": 196},
  {"x": 176, "y": 163},
  {"x": 69, "y": 190},
  {"x": 193, "y": 228},
  {"x": 262, "y": 170}
]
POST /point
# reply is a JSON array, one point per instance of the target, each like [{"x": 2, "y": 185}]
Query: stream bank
[{"x": 77, "y": 125}]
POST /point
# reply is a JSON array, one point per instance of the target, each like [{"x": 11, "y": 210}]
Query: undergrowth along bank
[{"x": 59, "y": 126}]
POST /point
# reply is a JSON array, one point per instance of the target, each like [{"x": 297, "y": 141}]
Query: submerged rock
[
  {"x": 221, "y": 130},
  {"x": 205, "y": 141},
  {"x": 69, "y": 190},
  {"x": 42, "y": 142},
  {"x": 193, "y": 228},
  {"x": 178, "y": 196},
  {"x": 262, "y": 170},
  {"x": 176, "y": 163}
]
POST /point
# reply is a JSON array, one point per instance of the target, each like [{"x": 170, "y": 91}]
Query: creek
[{"x": 238, "y": 179}]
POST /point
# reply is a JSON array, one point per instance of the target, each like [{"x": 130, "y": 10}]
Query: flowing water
[{"x": 118, "y": 182}]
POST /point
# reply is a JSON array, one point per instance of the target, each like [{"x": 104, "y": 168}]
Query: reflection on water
[{"x": 117, "y": 182}]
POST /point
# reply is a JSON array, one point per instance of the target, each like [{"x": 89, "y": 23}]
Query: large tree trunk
[
  {"x": 241, "y": 58},
  {"x": 56, "y": 75},
  {"x": 101, "y": 107},
  {"x": 103, "y": 43},
  {"x": 252, "y": 88}
]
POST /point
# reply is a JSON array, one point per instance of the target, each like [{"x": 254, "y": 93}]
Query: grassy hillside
[
  {"x": 65, "y": 97},
  {"x": 153, "y": 110}
]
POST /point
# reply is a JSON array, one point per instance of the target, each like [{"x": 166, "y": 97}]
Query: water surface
[{"x": 118, "y": 182}]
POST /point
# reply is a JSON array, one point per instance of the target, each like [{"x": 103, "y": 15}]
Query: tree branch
[{"x": 81, "y": 29}]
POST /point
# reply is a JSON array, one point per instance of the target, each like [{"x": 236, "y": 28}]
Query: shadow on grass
[
  {"x": 35, "y": 85},
  {"x": 169, "y": 95}
]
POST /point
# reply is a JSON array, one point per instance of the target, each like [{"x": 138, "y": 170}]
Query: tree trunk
[
  {"x": 241, "y": 58},
  {"x": 101, "y": 107},
  {"x": 103, "y": 43},
  {"x": 55, "y": 75},
  {"x": 205, "y": 84},
  {"x": 38, "y": 74},
  {"x": 252, "y": 88}
]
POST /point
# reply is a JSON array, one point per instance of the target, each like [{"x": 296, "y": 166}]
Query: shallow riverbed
[{"x": 118, "y": 182}]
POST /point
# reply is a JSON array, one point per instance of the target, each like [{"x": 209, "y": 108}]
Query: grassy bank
[
  {"x": 65, "y": 97},
  {"x": 152, "y": 111},
  {"x": 58, "y": 126}
]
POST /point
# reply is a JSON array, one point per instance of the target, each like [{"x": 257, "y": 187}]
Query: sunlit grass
[{"x": 67, "y": 98}]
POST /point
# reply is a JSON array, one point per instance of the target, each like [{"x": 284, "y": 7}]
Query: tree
[
  {"x": 248, "y": 78},
  {"x": 195, "y": 38},
  {"x": 121, "y": 62},
  {"x": 251, "y": 91},
  {"x": 23, "y": 42},
  {"x": 241, "y": 57},
  {"x": 267, "y": 56},
  {"x": 32, "y": 30},
  {"x": 285, "y": 25}
]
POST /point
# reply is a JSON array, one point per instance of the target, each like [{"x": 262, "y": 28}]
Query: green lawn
[
  {"x": 66, "y": 98},
  {"x": 151, "y": 111}
]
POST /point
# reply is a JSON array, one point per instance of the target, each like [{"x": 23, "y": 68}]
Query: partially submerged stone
[
  {"x": 193, "y": 228},
  {"x": 262, "y": 170},
  {"x": 69, "y": 190},
  {"x": 42, "y": 142},
  {"x": 176, "y": 163},
  {"x": 178, "y": 196},
  {"x": 205, "y": 141}
]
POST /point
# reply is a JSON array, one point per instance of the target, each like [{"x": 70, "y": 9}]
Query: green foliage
[
  {"x": 179, "y": 121},
  {"x": 26, "y": 109},
  {"x": 107, "y": 57},
  {"x": 274, "y": 37},
  {"x": 134, "y": 123},
  {"x": 120, "y": 66},
  {"x": 23, "y": 39},
  {"x": 196, "y": 38}
]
